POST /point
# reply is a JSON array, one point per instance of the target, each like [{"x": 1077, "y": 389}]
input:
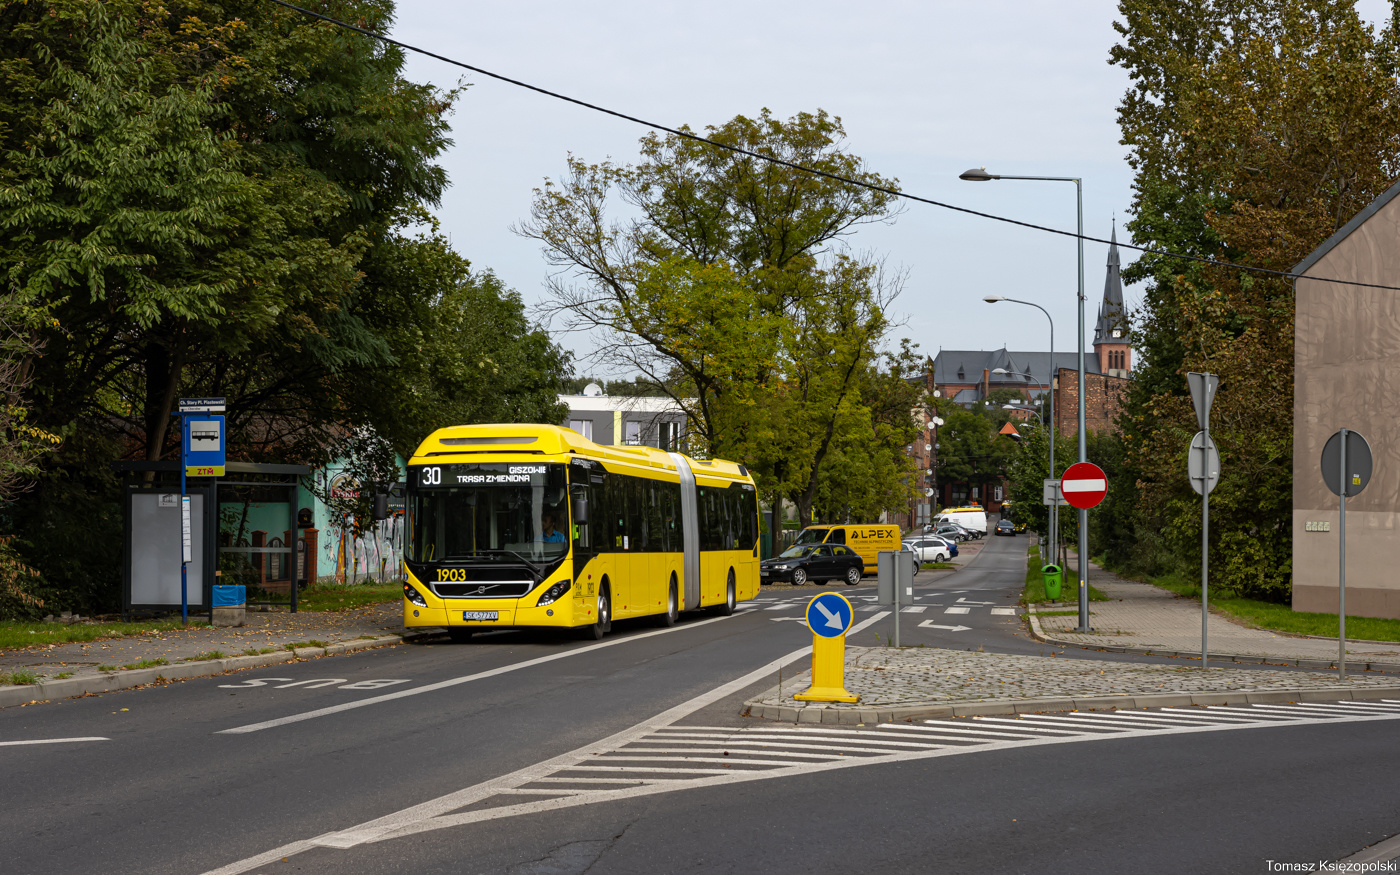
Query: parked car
[
  {"x": 957, "y": 533},
  {"x": 929, "y": 549},
  {"x": 973, "y": 518},
  {"x": 866, "y": 540},
  {"x": 816, "y": 562},
  {"x": 1006, "y": 527}
]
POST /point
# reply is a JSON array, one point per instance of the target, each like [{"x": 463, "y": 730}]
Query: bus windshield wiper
[{"x": 533, "y": 566}]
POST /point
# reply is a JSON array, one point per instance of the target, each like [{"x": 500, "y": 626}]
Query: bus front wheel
[{"x": 602, "y": 623}]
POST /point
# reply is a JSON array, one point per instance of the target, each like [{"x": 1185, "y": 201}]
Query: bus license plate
[{"x": 480, "y": 615}]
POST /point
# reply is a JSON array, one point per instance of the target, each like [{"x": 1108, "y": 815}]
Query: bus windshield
[{"x": 487, "y": 512}]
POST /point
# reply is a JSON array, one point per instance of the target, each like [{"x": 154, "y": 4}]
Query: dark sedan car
[
  {"x": 815, "y": 562},
  {"x": 1006, "y": 527}
]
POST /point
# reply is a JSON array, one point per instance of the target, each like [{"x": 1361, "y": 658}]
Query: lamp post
[
  {"x": 980, "y": 174},
  {"x": 1054, "y": 520}
]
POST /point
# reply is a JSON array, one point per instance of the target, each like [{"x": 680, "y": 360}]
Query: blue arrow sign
[{"x": 829, "y": 615}]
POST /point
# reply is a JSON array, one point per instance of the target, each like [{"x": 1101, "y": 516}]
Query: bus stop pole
[{"x": 184, "y": 528}]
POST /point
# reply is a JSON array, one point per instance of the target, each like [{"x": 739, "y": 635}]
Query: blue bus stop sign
[
  {"x": 204, "y": 446},
  {"x": 829, "y": 615}
]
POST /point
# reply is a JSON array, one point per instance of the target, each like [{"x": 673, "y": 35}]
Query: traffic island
[{"x": 921, "y": 682}]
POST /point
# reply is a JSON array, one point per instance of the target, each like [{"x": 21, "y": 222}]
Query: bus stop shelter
[{"x": 244, "y": 531}]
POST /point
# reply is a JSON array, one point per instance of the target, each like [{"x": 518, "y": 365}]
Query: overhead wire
[{"x": 893, "y": 192}]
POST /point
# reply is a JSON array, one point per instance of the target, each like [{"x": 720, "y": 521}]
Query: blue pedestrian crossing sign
[{"x": 829, "y": 615}]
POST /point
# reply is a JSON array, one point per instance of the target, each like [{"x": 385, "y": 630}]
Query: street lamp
[
  {"x": 1055, "y": 505},
  {"x": 980, "y": 174}
]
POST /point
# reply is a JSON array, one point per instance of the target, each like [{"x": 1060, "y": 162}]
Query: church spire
[{"x": 1111, "y": 315}]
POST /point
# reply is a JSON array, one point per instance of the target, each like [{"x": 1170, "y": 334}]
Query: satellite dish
[
  {"x": 928, "y": 490},
  {"x": 592, "y": 390},
  {"x": 937, "y": 394},
  {"x": 928, "y": 448}
]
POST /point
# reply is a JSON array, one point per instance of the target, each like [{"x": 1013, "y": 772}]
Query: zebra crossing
[
  {"x": 681, "y": 756},
  {"x": 934, "y": 603}
]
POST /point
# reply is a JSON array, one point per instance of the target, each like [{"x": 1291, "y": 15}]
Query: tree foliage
[
  {"x": 215, "y": 199},
  {"x": 729, "y": 284},
  {"x": 1255, "y": 130}
]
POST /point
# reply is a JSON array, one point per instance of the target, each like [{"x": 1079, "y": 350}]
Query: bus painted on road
[{"x": 512, "y": 526}]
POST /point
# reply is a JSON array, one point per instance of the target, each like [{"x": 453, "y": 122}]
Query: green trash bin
[{"x": 1051, "y": 575}]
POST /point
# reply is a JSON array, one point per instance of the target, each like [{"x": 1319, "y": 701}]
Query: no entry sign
[{"x": 1084, "y": 485}]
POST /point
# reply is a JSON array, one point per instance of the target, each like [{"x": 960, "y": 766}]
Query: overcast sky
[{"x": 926, "y": 90}]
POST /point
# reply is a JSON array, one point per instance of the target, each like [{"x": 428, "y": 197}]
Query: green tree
[
  {"x": 729, "y": 286},
  {"x": 1255, "y": 131},
  {"x": 214, "y": 199}
]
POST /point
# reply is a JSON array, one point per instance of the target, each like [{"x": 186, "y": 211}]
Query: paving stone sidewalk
[
  {"x": 895, "y": 683},
  {"x": 264, "y": 639},
  {"x": 1145, "y": 618}
]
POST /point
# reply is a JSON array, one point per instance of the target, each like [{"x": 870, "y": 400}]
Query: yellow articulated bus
[{"x": 513, "y": 526}]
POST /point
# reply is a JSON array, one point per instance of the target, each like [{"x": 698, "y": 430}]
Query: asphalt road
[{"x": 318, "y": 761}]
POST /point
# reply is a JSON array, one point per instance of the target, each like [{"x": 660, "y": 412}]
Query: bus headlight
[
  {"x": 413, "y": 595},
  {"x": 554, "y": 593}
]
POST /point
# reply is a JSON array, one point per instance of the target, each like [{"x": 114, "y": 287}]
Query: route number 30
[{"x": 432, "y": 476}]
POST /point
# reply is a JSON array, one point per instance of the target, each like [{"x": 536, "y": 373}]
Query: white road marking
[
  {"x": 53, "y": 740},
  {"x": 446, "y": 811},
  {"x": 414, "y": 818},
  {"x": 958, "y": 611},
  {"x": 442, "y": 685},
  {"x": 914, "y": 609},
  {"x": 1004, "y": 612},
  {"x": 783, "y": 607},
  {"x": 929, "y": 624}
]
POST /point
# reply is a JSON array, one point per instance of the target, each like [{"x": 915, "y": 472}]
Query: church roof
[{"x": 1111, "y": 312}]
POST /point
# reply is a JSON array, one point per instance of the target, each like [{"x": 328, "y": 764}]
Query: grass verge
[
  {"x": 17, "y": 635},
  {"x": 340, "y": 596},
  {"x": 1282, "y": 618},
  {"x": 19, "y": 678},
  {"x": 1034, "y": 591}
]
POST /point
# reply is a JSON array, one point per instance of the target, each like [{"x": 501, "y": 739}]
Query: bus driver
[{"x": 549, "y": 534}]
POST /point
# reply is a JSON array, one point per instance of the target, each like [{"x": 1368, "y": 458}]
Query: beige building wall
[{"x": 1347, "y": 374}]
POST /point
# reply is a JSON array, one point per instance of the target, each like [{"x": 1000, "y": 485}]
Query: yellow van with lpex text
[{"x": 867, "y": 541}]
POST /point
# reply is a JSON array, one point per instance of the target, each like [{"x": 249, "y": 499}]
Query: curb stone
[
  {"x": 989, "y": 707},
  {"x": 1039, "y": 634},
  {"x": 137, "y": 677}
]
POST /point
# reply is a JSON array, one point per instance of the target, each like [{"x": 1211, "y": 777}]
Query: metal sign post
[
  {"x": 1203, "y": 388},
  {"x": 201, "y": 455},
  {"x": 894, "y": 580},
  {"x": 1084, "y": 485},
  {"x": 1346, "y": 469}
]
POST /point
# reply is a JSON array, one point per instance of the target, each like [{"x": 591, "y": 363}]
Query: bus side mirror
[
  {"x": 580, "y": 508},
  {"x": 381, "y": 506}
]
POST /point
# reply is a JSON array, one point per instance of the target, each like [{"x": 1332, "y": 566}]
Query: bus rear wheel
[
  {"x": 673, "y": 606},
  {"x": 602, "y": 623},
  {"x": 730, "y": 597}
]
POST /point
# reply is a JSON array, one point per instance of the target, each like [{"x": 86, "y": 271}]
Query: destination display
[{"x": 429, "y": 476}]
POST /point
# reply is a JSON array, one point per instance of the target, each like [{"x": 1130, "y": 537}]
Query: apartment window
[
  {"x": 583, "y": 427},
  {"x": 669, "y": 436},
  {"x": 632, "y": 432}
]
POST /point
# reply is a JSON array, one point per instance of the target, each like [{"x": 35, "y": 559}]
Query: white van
[{"x": 974, "y": 519}]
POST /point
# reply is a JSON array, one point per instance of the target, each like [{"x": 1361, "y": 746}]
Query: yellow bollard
[{"x": 829, "y": 615}]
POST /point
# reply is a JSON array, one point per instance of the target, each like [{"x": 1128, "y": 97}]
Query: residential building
[{"x": 1346, "y": 355}]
